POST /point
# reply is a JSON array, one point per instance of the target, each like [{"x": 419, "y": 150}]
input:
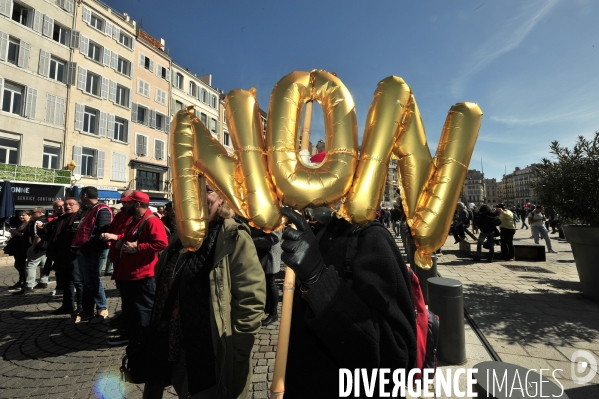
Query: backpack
[{"x": 427, "y": 323}]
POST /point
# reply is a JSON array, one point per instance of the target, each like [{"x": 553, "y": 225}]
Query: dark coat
[
  {"x": 268, "y": 247},
  {"x": 487, "y": 222},
  {"x": 366, "y": 324}
]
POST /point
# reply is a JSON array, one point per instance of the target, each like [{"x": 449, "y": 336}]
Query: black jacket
[
  {"x": 59, "y": 246},
  {"x": 487, "y": 222},
  {"x": 367, "y": 321}
]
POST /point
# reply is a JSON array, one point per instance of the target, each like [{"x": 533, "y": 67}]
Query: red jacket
[
  {"x": 118, "y": 227},
  {"x": 150, "y": 240}
]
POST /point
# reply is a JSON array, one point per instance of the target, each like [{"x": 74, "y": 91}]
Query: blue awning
[{"x": 105, "y": 195}]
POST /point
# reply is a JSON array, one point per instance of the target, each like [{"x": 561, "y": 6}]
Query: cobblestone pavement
[{"x": 533, "y": 318}]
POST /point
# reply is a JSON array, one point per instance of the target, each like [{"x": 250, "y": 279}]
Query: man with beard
[
  {"x": 91, "y": 253},
  {"x": 144, "y": 237}
]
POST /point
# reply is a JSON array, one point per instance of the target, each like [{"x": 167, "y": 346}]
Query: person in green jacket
[{"x": 221, "y": 293}]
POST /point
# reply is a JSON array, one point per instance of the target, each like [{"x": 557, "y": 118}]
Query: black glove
[{"x": 300, "y": 249}]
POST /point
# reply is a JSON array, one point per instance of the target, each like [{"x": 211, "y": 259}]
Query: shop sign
[{"x": 35, "y": 194}]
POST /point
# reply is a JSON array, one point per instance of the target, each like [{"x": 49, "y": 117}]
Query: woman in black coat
[{"x": 487, "y": 222}]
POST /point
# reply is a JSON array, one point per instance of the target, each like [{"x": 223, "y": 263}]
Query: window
[
  {"x": 204, "y": 96},
  {"x": 147, "y": 180},
  {"x": 126, "y": 40},
  {"x": 213, "y": 126},
  {"x": 143, "y": 88},
  {"x": 92, "y": 84},
  {"x": 61, "y": 35},
  {"x": 90, "y": 121},
  {"x": 204, "y": 119},
  {"x": 178, "y": 106},
  {"x": 97, "y": 23},
  {"x": 160, "y": 96},
  {"x": 179, "y": 81},
  {"x": 160, "y": 121},
  {"x": 122, "y": 96},
  {"x": 21, "y": 14},
  {"x": 9, "y": 151},
  {"x": 95, "y": 52},
  {"x": 57, "y": 70},
  {"x": 159, "y": 146},
  {"x": 13, "y": 50},
  {"x": 162, "y": 72},
  {"x": 87, "y": 161},
  {"x": 141, "y": 145},
  {"x": 192, "y": 89},
  {"x": 226, "y": 139},
  {"x": 55, "y": 108},
  {"x": 146, "y": 63},
  {"x": 13, "y": 98},
  {"x": 213, "y": 101},
  {"x": 225, "y": 116},
  {"x": 119, "y": 166},
  {"x": 120, "y": 130},
  {"x": 123, "y": 66},
  {"x": 50, "y": 157},
  {"x": 142, "y": 115}
]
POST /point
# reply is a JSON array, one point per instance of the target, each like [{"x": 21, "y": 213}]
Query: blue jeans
[
  {"x": 93, "y": 290},
  {"x": 536, "y": 230},
  {"x": 481, "y": 239}
]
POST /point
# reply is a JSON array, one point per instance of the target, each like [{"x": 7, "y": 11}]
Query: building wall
[
  {"x": 44, "y": 122},
  {"x": 148, "y": 151},
  {"x": 107, "y": 146}
]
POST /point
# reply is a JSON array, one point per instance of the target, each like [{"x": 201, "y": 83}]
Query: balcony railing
[
  {"x": 145, "y": 184},
  {"x": 33, "y": 174}
]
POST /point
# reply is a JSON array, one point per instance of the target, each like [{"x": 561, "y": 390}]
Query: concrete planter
[{"x": 584, "y": 241}]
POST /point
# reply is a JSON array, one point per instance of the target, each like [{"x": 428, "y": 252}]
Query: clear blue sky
[{"x": 532, "y": 66}]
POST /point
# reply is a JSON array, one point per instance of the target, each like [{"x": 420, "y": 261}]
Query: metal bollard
[
  {"x": 424, "y": 275},
  {"x": 445, "y": 298}
]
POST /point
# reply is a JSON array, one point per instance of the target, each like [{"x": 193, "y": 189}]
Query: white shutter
[
  {"x": 113, "y": 91},
  {"x": 158, "y": 149},
  {"x": 106, "y": 57},
  {"x": 48, "y": 26},
  {"x": 116, "y": 33},
  {"x": 3, "y": 45},
  {"x": 167, "y": 127},
  {"x": 84, "y": 45},
  {"x": 30, "y": 103},
  {"x": 75, "y": 39},
  {"x": 71, "y": 73},
  {"x": 103, "y": 117},
  {"x": 138, "y": 144},
  {"x": 140, "y": 86},
  {"x": 1, "y": 89},
  {"x": 44, "y": 63},
  {"x": 60, "y": 108},
  {"x": 104, "y": 88},
  {"x": 157, "y": 96},
  {"x": 82, "y": 78},
  {"x": 134, "y": 112},
  {"x": 130, "y": 94},
  {"x": 79, "y": 109},
  {"x": 5, "y": 8},
  {"x": 153, "y": 119},
  {"x": 147, "y": 89},
  {"x": 108, "y": 28},
  {"x": 77, "y": 150},
  {"x": 68, "y": 5},
  {"x": 87, "y": 15},
  {"x": 145, "y": 145},
  {"x": 142, "y": 60},
  {"x": 100, "y": 164},
  {"x": 50, "y": 108},
  {"x": 38, "y": 21},
  {"x": 110, "y": 127},
  {"x": 24, "y": 55},
  {"x": 132, "y": 43},
  {"x": 115, "y": 61},
  {"x": 126, "y": 131},
  {"x": 151, "y": 66}
]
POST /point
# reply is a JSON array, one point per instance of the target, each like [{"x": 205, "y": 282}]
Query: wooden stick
[{"x": 277, "y": 387}]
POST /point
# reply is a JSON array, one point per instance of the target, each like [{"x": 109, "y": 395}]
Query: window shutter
[
  {"x": 44, "y": 63},
  {"x": 115, "y": 61},
  {"x": 146, "y": 89},
  {"x": 75, "y": 36},
  {"x": 173, "y": 106},
  {"x": 106, "y": 57},
  {"x": 3, "y": 45},
  {"x": 108, "y": 28},
  {"x": 100, "y": 164},
  {"x": 130, "y": 68},
  {"x": 142, "y": 60},
  {"x": 140, "y": 86},
  {"x": 132, "y": 43},
  {"x": 113, "y": 91},
  {"x": 157, "y": 97},
  {"x": 167, "y": 74},
  {"x": 68, "y": 5},
  {"x": 60, "y": 108},
  {"x": 84, "y": 46},
  {"x": 151, "y": 66},
  {"x": 126, "y": 131},
  {"x": 159, "y": 149},
  {"x": 110, "y": 127},
  {"x": 118, "y": 166},
  {"x": 145, "y": 145},
  {"x": 129, "y": 93},
  {"x": 82, "y": 78},
  {"x": 167, "y": 127},
  {"x": 30, "y": 103},
  {"x": 38, "y": 21},
  {"x": 153, "y": 119},
  {"x": 116, "y": 33},
  {"x": 77, "y": 150},
  {"x": 71, "y": 73},
  {"x": 50, "y": 108},
  {"x": 24, "y": 55},
  {"x": 114, "y": 172},
  {"x": 87, "y": 15},
  {"x": 103, "y": 117},
  {"x": 48, "y": 25},
  {"x": 79, "y": 108},
  {"x": 134, "y": 112},
  {"x": 5, "y": 7},
  {"x": 139, "y": 144}
]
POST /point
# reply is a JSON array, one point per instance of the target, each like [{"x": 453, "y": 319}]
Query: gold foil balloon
[
  {"x": 260, "y": 202},
  {"x": 299, "y": 185},
  {"x": 437, "y": 203}
]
